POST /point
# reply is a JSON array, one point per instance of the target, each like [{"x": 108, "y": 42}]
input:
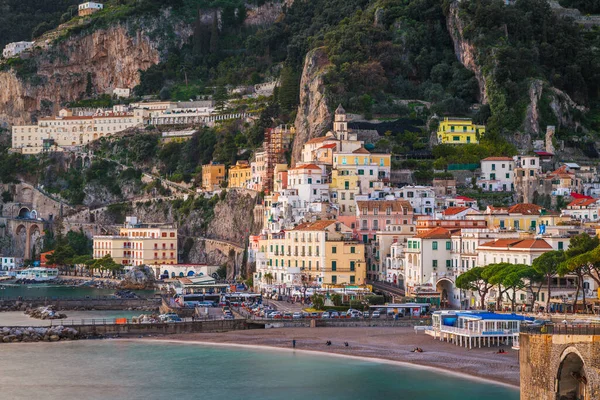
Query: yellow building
[
  {"x": 344, "y": 187},
  {"x": 139, "y": 244},
  {"x": 344, "y": 263},
  {"x": 520, "y": 217},
  {"x": 240, "y": 175},
  {"x": 306, "y": 253},
  {"x": 213, "y": 175},
  {"x": 459, "y": 131}
]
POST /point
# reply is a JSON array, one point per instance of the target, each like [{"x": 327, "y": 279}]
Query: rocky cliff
[
  {"x": 111, "y": 57},
  {"x": 464, "y": 50},
  {"x": 313, "y": 116}
]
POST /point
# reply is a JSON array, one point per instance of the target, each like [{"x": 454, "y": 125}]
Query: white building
[
  {"x": 427, "y": 257},
  {"x": 89, "y": 7},
  {"x": 583, "y": 209},
  {"x": 10, "y": 263},
  {"x": 122, "y": 92},
  {"x": 421, "y": 198},
  {"x": 310, "y": 181},
  {"x": 68, "y": 130},
  {"x": 497, "y": 174},
  {"x": 15, "y": 48}
]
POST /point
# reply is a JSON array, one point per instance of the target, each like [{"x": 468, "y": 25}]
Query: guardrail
[{"x": 561, "y": 329}]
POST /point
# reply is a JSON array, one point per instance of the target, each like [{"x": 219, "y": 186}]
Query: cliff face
[
  {"x": 464, "y": 50},
  {"x": 313, "y": 116},
  {"x": 113, "y": 57}
]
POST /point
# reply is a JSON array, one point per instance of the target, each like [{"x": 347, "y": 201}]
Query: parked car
[
  {"x": 297, "y": 315},
  {"x": 334, "y": 314},
  {"x": 344, "y": 315},
  {"x": 287, "y": 315},
  {"x": 376, "y": 314},
  {"x": 366, "y": 314},
  {"x": 325, "y": 315},
  {"x": 314, "y": 315}
]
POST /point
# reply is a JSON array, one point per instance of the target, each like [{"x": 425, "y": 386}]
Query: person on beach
[{"x": 294, "y": 343}]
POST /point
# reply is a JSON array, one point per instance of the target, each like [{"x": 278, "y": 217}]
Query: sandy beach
[{"x": 391, "y": 344}]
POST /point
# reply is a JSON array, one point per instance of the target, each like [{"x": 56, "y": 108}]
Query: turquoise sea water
[
  {"x": 113, "y": 369},
  {"x": 55, "y": 291}
]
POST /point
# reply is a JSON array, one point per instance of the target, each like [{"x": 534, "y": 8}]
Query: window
[
  {"x": 560, "y": 245},
  {"x": 456, "y": 138},
  {"x": 370, "y": 172},
  {"x": 334, "y": 279},
  {"x": 448, "y": 264},
  {"x": 375, "y": 211},
  {"x": 448, "y": 245},
  {"x": 361, "y": 171},
  {"x": 434, "y": 246},
  {"x": 352, "y": 279},
  {"x": 352, "y": 266},
  {"x": 493, "y": 167},
  {"x": 334, "y": 265},
  {"x": 309, "y": 181},
  {"x": 334, "y": 250},
  {"x": 352, "y": 249},
  {"x": 434, "y": 264},
  {"x": 507, "y": 176}
]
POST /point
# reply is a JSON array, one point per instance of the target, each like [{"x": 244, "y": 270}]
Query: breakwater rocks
[
  {"x": 37, "y": 334},
  {"x": 45, "y": 313}
]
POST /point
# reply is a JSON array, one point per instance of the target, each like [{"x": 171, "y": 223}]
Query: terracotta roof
[
  {"x": 437, "y": 233},
  {"x": 317, "y": 140},
  {"x": 525, "y": 209},
  {"x": 362, "y": 150},
  {"x": 306, "y": 166},
  {"x": 582, "y": 202},
  {"x": 454, "y": 210},
  {"x": 329, "y": 146},
  {"x": 532, "y": 244},
  {"x": 518, "y": 244},
  {"x": 497, "y": 159},
  {"x": 383, "y": 205},
  {"x": 501, "y": 243},
  {"x": 314, "y": 226},
  {"x": 464, "y": 198}
]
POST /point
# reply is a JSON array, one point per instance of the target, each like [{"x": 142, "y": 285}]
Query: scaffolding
[{"x": 277, "y": 141}]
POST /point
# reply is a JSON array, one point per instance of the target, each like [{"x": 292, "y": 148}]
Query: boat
[{"x": 37, "y": 274}]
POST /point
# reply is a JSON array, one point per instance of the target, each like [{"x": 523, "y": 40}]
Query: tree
[
  {"x": 547, "y": 266},
  {"x": 89, "y": 88},
  {"x": 82, "y": 261},
  {"x": 220, "y": 98},
  {"x": 318, "y": 301},
  {"x": 336, "y": 298},
  {"x": 268, "y": 277},
  {"x": 475, "y": 281},
  {"x": 578, "y": 258},
  {"x": 61, "y": 257}
]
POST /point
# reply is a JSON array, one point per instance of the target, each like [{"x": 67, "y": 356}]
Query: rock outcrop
[
  {"x": 108, "y": 58},
  {"x": 37, "y": 334},
  {"x": 138, "y": 278},
  {"x": 313, "y": 116},
  {"x": 465, "y": 51}
]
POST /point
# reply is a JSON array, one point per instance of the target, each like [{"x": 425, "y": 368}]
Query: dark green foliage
[
  {"x": 118, "y": 212},
  {"x": 23, "y": 20},
  {"x": 585, "y": 6},
  {"x": 525, "y": 41}
]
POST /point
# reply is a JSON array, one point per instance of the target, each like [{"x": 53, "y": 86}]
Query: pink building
[{"x": 375, "y": 215}]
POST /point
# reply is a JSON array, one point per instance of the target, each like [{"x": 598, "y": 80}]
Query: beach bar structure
[{"x": 476, "y": 328}]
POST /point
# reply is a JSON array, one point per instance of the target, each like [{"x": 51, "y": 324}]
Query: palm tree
[{"x": 268, "y": 277}]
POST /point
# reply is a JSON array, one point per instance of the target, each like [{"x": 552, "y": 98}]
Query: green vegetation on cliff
[{"x": 518, "y": 43}]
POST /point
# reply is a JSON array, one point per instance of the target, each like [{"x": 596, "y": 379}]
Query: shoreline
[
  {"x": 377, "y": 360},
  {"x": 375, "y": 344}
]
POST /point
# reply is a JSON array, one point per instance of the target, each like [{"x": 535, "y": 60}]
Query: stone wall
[
  {"x": 83, "y": 304},
  {"x": 541, "y": 357}
]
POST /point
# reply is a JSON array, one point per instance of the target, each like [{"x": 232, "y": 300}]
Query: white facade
[
  {"x": 497, "y": 174},
  {"x": 122, "y": 92},
  {"x": 10, "y": 263},
  {"x": 310, "y": 182},
  {"x": 14, "y": 48},
  {"x": 66, "y": 130},
  {"x": 421, "y": 198}
]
